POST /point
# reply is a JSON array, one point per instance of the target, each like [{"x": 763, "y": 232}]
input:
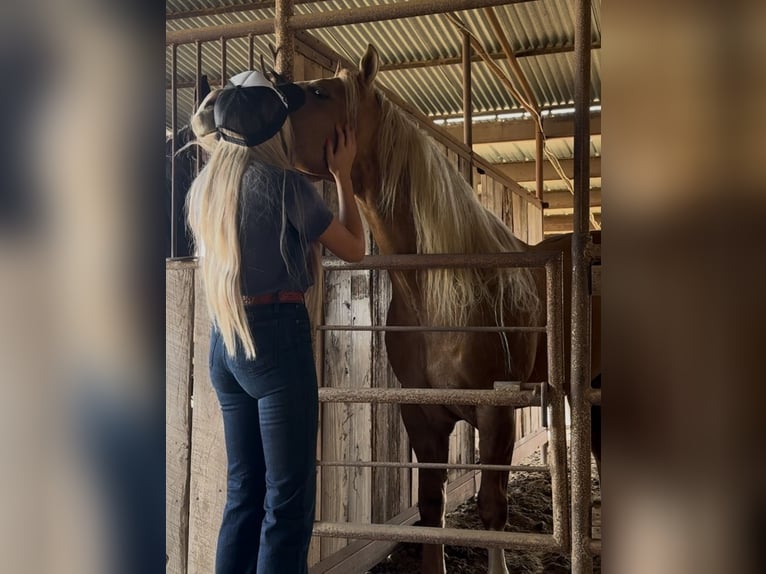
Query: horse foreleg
[
  {"x": 496, "y": 438},
  {"x": 429, "y": 438}
]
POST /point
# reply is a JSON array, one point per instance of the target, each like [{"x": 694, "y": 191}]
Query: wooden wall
[{"x": 196, "y": 460}]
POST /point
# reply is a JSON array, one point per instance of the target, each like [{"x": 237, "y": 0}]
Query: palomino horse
[{"x": 416, "y": 202}]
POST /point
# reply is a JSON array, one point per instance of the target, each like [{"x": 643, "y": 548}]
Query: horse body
[
  {"x": 404, "y": 219},
  {"x": 450, "y": 360}
]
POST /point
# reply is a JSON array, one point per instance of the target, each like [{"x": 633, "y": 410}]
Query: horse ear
[
  {"x": 278, "y": 78},
  {"x": 203, "y": 89},
  {"x": 368, "y": 67},
  {"x": 337, "y": 68}
]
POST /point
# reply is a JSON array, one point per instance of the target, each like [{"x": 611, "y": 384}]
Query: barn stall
[{"x": 357, "y": 439}]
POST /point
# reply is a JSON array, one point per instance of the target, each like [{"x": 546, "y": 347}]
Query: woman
[{"x": 254, "y": 221}]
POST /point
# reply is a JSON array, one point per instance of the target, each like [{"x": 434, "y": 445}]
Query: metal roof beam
[{"x": 332, "y": 18}]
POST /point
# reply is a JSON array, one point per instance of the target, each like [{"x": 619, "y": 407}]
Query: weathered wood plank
[
  {"x": 208, "y": 454},
  {"x": 519, "y": 218},
  {"x": 346, "y": 492},
  {"x": 508, "y": 207},
  {"x": 528, "y": 445},
  {"x": 179, "y": 328},
  {"x": 535, "y": 224}
]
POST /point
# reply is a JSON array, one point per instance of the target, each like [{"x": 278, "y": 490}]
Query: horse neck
[{"x": 393, "y": 233}]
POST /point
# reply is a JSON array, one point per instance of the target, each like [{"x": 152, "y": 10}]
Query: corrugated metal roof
[{"x": 435, "y": 90}]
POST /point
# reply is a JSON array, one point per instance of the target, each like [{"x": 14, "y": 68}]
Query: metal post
[
  {"x": 285, "y": 38},
  {"x": 250, "y": 63},
  {"x": 467, "y": 105},
  {"x": 582, "y": 561},
  {"x": 198, "y": 54},
  {"x": 554, "y": 289},
  {"x": 173, "y": 146},
  {"x": 538, "y": 161},
  {"x": 224, "y": 73}
]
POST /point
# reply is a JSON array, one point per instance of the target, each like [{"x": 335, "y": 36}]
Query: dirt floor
[{"x": 529, "y": 510}]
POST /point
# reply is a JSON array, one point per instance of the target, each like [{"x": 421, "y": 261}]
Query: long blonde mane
[{"x": 448, "y": 218}]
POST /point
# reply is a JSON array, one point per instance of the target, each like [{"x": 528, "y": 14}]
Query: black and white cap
[{"x": 250, "y": 109}]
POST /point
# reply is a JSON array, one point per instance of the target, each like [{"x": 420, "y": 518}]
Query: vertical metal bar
[
  {"x": 174, "y": 146},
  {"x": 285, "y": 38},
  {"x": 198, "y": 55},
  {"x": 250, "y": 56},
  {"x": 582, "y": 561},
  {"x": 224, "y": 73},
  {"x": 467, "y": 104},
  {"x": 538, "y": 162},
  {"x": 554, "y": 289}
]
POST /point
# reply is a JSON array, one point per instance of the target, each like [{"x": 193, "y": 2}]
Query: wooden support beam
[
  {"x": 520, "y": 130},
  {"x": 332, "y": 18},
  {"x": 568, "y": 211},
  {"x": 525, "y": 170},
  {"x": 565, "y": 200},
  {"x": 562, "y": 223}
]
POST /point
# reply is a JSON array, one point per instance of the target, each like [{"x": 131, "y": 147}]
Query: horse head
[{"x": 348, "y": 97}]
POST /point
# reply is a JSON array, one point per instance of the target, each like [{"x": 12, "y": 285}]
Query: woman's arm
[{"x": 345, "y": 234}]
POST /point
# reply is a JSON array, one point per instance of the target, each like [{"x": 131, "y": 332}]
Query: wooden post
[{"x": 285, "y": 38}]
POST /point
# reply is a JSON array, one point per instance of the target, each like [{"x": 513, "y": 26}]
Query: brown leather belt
[{"x": 278, "y": 297}]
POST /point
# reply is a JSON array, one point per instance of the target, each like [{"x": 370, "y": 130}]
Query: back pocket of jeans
[{"x": 264, "y": 335}]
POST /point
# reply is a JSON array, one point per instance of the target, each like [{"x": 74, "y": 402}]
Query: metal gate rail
[{"x": 552, "y": 391}]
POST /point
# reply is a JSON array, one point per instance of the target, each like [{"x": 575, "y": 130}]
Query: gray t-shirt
[{"x": 268, "y": 230}]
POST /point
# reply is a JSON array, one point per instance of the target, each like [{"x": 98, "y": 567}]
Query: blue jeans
[{"x": 270, "y": 411}]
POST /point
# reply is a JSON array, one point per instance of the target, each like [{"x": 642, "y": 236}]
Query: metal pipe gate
[{"x": 551, "y": 391}]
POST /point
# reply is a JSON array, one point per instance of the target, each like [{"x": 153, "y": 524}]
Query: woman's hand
[{"x": 341, "y": 158}]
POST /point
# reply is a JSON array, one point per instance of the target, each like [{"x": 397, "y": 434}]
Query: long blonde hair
[
  {"x": 448, "y": 218},
  {"x": 213, "y": 215}
]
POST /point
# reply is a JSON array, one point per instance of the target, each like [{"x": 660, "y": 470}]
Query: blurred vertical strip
[
  {"x": 82, "y": 286},
  {"x": 684, "y": 178}
]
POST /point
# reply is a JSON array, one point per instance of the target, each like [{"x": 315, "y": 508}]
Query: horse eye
[{"x": 320, "y": 94}]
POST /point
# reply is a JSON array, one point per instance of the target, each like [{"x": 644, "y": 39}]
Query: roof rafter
[
  {"x": 532, "y": 52},
  {"x": 230, "y": 9}
]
